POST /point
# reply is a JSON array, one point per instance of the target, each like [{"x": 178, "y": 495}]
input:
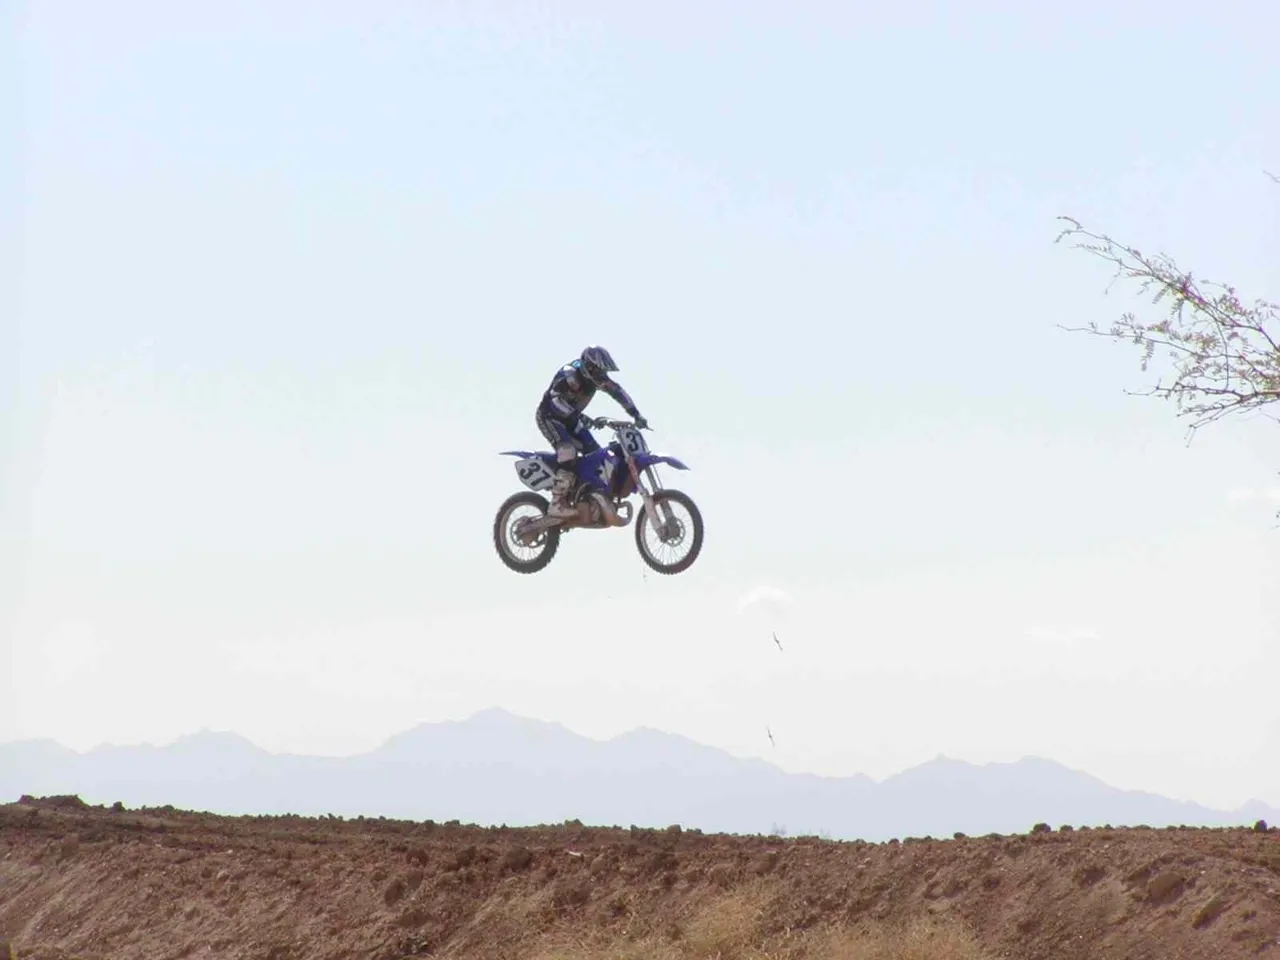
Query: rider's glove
[{"x": 641, "y": 422}]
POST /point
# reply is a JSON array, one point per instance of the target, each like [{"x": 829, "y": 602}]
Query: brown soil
[{"x": 93, "y": 883}]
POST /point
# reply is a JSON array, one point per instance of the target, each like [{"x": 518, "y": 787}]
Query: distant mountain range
[{"x": 496, "y": 768}]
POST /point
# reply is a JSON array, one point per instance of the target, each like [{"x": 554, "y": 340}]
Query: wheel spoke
[
  {"x": 675, "y": 539},
  {"x": 519, "y": 555},
  {"x": 521, "y": 550}
]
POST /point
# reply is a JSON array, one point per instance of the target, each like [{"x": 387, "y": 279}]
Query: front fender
[{"x": 646, "y": 460}]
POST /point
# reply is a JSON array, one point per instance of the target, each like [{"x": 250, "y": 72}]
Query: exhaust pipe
[{"x": 611, "y": 516}]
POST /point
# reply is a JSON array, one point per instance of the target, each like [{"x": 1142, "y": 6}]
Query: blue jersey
[{"x": 571, "y": 390}]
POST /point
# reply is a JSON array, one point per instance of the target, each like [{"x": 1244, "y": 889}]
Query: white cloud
[
  {"x": 1247, "y": 494},
  {"x": 72, "y": 648},
  {"x": 1068, "y": 635},
  {"x": 766, "y": 601}
]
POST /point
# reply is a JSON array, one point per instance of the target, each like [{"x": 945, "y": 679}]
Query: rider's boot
[{"x": 561, "y": 487}]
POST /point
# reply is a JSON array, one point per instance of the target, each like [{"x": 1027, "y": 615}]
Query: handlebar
[{"x": 604, "y": 423}]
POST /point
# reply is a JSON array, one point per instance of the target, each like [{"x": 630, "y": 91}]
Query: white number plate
[
  {"x": 534, "y": 474},
  {"x": 632, "y": 440}
]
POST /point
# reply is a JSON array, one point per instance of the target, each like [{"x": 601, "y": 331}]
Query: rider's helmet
[{"x": 597, "y": 364}]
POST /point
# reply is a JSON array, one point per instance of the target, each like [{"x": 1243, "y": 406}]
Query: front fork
[{"x": 659, "y": 526}]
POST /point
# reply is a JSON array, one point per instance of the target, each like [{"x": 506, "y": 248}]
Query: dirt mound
[{"x": 92, "y": 882}]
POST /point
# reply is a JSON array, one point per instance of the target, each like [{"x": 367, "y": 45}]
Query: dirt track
[{"x": 92, "y": 883}]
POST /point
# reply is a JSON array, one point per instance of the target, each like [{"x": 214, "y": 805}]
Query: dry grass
[
  {"x": 918, "y": 941},
  {"x": 731, "y": 929}
]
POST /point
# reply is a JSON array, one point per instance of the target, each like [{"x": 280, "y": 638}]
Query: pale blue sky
[{"x": 290, "y": 274}]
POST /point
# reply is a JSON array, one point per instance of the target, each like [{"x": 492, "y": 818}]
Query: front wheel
[
  {"x": 524, "y": 554},
  {"x": 674, "y": 547}
]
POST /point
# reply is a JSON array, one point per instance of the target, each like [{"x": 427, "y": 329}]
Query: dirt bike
[{"x": 606, "y": 479}]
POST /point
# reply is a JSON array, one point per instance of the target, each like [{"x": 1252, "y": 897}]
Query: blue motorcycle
[{"x": 607, "y": 478}]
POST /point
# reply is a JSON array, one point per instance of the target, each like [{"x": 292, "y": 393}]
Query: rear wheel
[
  {"x": 679, "y": 541},
  {"x": 524, "y": 554}
]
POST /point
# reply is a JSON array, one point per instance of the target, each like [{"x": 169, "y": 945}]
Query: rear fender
[{"x": 527, "y": 454}]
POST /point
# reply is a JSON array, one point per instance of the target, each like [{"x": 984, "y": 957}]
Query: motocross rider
[{"x": 561, "y": 420}]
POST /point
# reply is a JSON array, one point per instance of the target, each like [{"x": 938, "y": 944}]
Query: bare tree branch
[{"x": 1224, "y": 353}]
